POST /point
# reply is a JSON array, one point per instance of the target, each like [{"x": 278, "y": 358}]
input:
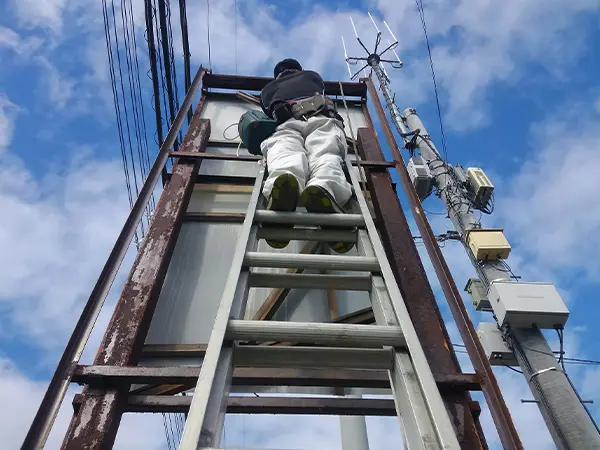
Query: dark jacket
[{"x": 296, "y": 86}]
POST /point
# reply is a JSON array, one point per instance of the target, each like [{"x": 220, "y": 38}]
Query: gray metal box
[
  {"x": 524, "y": 305},
  {"x": 494, "y": 345},
  {"x": 420, "y": 175},
  {"x": 478, "y": 294}
]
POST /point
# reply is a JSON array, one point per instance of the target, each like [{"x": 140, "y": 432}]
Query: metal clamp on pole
[{"x": 539, "y": 372}]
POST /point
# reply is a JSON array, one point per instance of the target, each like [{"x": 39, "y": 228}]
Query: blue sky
[{"x": 520, "y": 97}]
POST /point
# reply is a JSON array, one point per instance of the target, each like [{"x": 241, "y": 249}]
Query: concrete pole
[{"x": 569, "y": 423}]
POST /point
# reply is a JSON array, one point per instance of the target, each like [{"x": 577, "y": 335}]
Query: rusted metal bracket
[
  {"x": 112, "y": 376},
  {"x": 96, "y": 426},
  {"x": 262, "y": 405}
]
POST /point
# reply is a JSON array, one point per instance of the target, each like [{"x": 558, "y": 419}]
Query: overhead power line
[{"x": 421, "y": 11}]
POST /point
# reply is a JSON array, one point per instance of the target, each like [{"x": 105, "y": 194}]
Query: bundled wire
[
  {"x": 128, "y": 103},
  {"x": 421, "y": 11}
]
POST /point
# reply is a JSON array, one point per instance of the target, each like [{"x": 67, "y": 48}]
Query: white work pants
[{"x": 312, "y": 151}]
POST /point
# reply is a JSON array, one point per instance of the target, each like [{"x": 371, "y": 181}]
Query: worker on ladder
[{"x": 305, "y": 156}]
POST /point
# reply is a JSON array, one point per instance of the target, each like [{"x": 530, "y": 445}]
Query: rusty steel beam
[
  {"x": 57, "y": 388},
  {"x": 112, "y": 376},
  {"x": 416, "y": 290},
  {"x": 252, "y": 158},
  {"x": 261, "y": 405},
  {"x": 500, "y": 414},
  {"x": 96, "y": 425},
  {"x": 237, "y": 82}
]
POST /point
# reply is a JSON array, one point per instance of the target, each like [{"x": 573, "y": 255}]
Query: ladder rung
[
  {"x": 311, "y": 281},
  {"x": 305, "y": 218},
  {"x": 319, "y": 262},
  {"x": 332, "y": 334},
  {"x": 307, "y": 234},
  {"x": 296, "y": 356}
]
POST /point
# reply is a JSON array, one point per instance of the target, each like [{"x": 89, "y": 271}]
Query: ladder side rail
[
  {"x": 446, "y": 435},
  {"x": 417, "y": 428},
  {"x": 206, "y": 415}
]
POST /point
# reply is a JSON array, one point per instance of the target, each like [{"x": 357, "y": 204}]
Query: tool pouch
[{"x": 254, "y": 127}]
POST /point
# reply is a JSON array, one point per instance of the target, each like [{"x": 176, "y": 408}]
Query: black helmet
[{"x": 286, "y": 64}]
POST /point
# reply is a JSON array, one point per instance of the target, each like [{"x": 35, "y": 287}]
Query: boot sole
[
  {"x": 284, "y": 198},
  {"x": 317, "y": 200}
]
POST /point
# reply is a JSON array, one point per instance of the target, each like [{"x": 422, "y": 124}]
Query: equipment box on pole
[
  {"x": 525, "y": 305},
  {"x": 488, "y": 244}
]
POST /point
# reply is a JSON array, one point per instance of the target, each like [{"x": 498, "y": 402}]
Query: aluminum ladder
[{"x": 392, "y": 344}]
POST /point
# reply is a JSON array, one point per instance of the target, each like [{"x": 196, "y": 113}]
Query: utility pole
[{"x": 570, "y": 424}]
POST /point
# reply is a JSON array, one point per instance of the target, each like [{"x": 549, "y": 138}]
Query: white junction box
[
  {"x": 526, "y": 305},
  {"x": 494, "y": 345},
  {"x": 420, "y": 175},
  {"x": 480, "y": 185},
  {"x": 478, "y": 294}
]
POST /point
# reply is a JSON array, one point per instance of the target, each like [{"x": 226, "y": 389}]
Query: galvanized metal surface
[
  {"x": 57, "y": 388},
  {"x": 207, "y": 412},
  {"x": 316, "y": 357},
  {"x": 311, "y": 281},
  {"x": 413, "y": 283},
  {"x": 444, "y": 433},
  {"x": 96, "y": 424},
  {"x": 506, "y": 429},
  {"x": 332, "y": 334}
]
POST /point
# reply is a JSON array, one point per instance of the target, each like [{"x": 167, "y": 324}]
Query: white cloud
[
  {"x": 8, "y": 111},
  {"x": 551, "y": 210},
  {"x": 24, "y": 395},
  {"x": 11, "y": 40},
  {"x": 46, "y": 14},
  {"x": 55, "y": 232},
  {"x": 477, "y": 45}
]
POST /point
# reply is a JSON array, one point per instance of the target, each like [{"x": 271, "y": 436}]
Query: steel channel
[
  {"x": 332, "y": 334},
  {"x": 491, "y": 390},
  {"x": 46, "y": 414},
  {"x": 322, "y": 262}
]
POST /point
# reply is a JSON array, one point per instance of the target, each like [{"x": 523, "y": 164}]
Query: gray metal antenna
[
  {"x": 569, "y": 423},
  {"x": 374, "y": 59}
]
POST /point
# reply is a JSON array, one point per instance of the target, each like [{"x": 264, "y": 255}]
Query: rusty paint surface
[
  {"x": 264, "y": 405},
  {"x": 416, "y": 290},
  {"x": 499, "y": 411},
  {"x": 96, "y": 424}
]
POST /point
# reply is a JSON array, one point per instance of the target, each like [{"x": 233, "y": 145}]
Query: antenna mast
[{"x": 568, "y": 421}]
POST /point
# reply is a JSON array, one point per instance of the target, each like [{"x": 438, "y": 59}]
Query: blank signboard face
[{"x": 202, "y": 257}]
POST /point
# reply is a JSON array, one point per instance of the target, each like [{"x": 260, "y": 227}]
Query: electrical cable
[
  {"x": 116, "y": 102},
  {"x": 421, "y": 11},
  {"x": 125, "y": 107},
  {"x": 148, "y": 163},
  {"x": 134, "y": 97},
  {"x": 513, "y": 369},
  {"x": 169, "y": 444},
  {"x": 236, "y": 35}
]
